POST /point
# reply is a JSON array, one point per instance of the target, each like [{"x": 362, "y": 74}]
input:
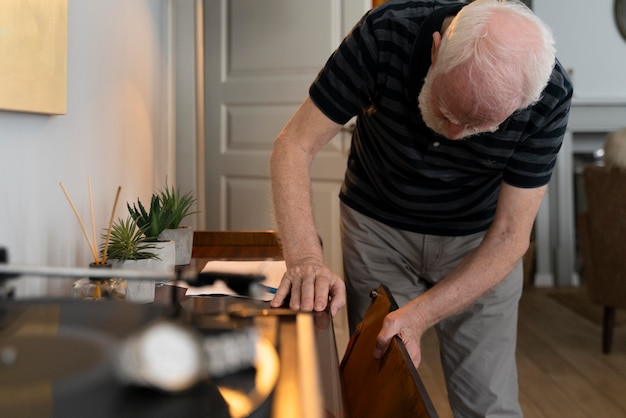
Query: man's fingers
[
  {"x": 383, "y": 339},
  {"x": 322, "y": 291},
  {"x": 337, "y": 296},
  {"x": 284, "y": 289},
  {"x": 307, "y": 289},
  {"x": 296, "y": 285},
  {"x": 382, "y": 343}
]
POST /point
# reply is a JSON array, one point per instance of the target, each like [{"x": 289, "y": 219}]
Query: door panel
[
  {"x": 260, "y": 58},
  {"x": 247, "y": 202},
  {"x": 271, "y": 36}
]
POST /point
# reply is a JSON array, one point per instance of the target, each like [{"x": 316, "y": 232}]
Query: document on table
[{"x": 273, "y": 270}]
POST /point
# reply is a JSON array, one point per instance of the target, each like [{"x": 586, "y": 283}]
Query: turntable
[{"x": 71, "y": 358}]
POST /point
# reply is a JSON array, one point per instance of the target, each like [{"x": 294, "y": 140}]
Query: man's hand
[
  {"x": 406, "y": 324},
  {"x": 310, "y": 285}
]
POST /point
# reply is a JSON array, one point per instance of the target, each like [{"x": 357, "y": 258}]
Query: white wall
[
  {"x": 588, "y": 43},
  {"x": 116, "y": 131},
  {"x": 119, "y": 126}
]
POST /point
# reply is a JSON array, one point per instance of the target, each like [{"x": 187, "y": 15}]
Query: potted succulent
[
  {"x": 152, "y": 222},
  {"x": 127, "y": 242},
  {"x": 128, "y": 249},
  {"x": 180, "y": 206}
]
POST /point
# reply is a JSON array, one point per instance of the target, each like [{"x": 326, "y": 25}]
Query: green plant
[
  {"x": 179, "y": 203},
  {"x": 154, "y": 221},
  {"x": 127, "y": 242}
]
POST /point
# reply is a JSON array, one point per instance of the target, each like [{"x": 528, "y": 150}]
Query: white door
[{"x": 260, "y": 58}]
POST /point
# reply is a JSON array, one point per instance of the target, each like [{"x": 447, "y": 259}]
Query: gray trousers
[{"x": 477, "y": 345}]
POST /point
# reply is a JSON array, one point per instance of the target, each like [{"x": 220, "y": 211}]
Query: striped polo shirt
[{"x": 400, "y": 172}]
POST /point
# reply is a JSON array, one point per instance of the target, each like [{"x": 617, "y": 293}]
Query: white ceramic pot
[
  {"x": 183, "y": 237},
  {"x": 166, "y": 253},
  {"x": 142, "y": 291}
]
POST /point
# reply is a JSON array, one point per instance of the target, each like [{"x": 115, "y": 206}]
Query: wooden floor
[{"x": 562, "y": 371}]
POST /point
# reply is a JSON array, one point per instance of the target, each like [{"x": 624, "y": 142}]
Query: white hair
[{"x": 506, "y": 52}]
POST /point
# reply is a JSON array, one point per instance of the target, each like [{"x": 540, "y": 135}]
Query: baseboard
[{"x": 544, "y": 280}]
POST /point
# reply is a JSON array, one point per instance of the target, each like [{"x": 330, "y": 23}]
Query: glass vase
[{"x": 100, "y": 288}]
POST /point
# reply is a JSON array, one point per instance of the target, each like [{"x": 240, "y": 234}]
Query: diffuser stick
[
  {"x": 93, "y": 218},
  {"x": 106, "y": 244},
  {"x": 80, "y": 221}
]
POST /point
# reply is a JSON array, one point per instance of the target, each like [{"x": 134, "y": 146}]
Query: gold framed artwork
[{"x": 33, "y": 56}]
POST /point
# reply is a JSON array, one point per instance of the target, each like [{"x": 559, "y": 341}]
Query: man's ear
[{"x": 435, "y": 48}]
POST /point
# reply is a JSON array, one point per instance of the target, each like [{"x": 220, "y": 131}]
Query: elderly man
[{"x": 461, "y": 110}]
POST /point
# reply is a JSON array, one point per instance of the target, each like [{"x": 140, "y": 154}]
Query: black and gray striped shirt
[{"x": 399, "y": 171}]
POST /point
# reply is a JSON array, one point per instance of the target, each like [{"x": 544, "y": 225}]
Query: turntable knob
[{"x": 165, "y": 356}]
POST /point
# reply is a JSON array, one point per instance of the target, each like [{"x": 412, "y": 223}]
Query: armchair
[{"x": 604, "y": 248}]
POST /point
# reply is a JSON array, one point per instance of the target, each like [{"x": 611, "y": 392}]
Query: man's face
[{"x": 448, "y": 108}]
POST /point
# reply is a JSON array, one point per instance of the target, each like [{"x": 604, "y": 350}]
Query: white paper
[{"x": 273, "y": 270}]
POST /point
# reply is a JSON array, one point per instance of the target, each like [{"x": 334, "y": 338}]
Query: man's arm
[
  {"x": 503, "y": 246},
  {"x": 307, "y": 279}
]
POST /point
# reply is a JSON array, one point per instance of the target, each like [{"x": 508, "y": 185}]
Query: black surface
[{"x": 56, "y": 363}]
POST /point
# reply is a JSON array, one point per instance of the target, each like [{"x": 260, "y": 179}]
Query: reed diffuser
[{"x": 97, "y": 288}]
